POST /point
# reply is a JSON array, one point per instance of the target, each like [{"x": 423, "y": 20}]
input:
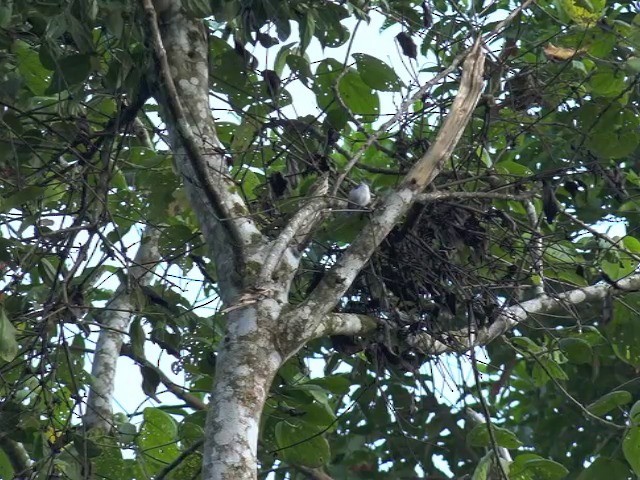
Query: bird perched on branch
[{"x": 360, "y": 196}]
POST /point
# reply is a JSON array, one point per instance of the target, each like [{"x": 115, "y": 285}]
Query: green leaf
[
  {"x": 109, "y": 463},
  {"x": 624, "y": 331},
  {"x": 377, "y": 74},
  {"x": 610, "y": 401},
  {"x": 8, "y": 342},
  {"x": 281, "y": 58},
  {"x": 633, "y": 63},
  {"x": 546, "y": 368},
  {"x": 607, "y": 83},
  {"x": 307, "y": 29},
  {"x": 484, "y": 467},
  {"x": 71, "y": 70},
  {"x": 604, "y": 467},
  {"x": 6, "y": 470},
  {"x": 35, "y": 75},
  {"x": 511, "y": 167},
  {"x": 138, "y": 337},
  {"x": 584, "y": 12},
  {"x": 361, "y": 100},
  {"x": 88, "y": 446},
  {"x": 6, "y": 11},
  {"x": 300, "y": 66},
  {"x": 631, "y": 243},
  {"x": 577, "y": 350},
  {"x": 527, "y": 344},
  {"x": 479, "y": 437},
  {"x": 631, "y": 448},
  {"x": 358, "y": 97},
  {"x": 156, "y": 440},
  {"x": 488, "y": 468},
  {"x": 634, "y": 414},
  {"x": 23, "y": 196},
  {"x": 529, "y": 466},
  {"x": 302, "y": 444}
]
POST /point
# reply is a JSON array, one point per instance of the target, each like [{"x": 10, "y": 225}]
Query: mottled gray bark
[{"x": 115, "y": 322}]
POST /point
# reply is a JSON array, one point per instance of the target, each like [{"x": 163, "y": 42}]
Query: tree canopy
[{"x": 176, "y": 173}]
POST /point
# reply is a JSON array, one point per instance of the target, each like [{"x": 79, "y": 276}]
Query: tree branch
[
  {"x": 465, "y": 339},
  {"x": 113, "y": 323},
  {"x": 444, "y": 195},
  {"x": 344, "y": 324},
  {"x": 459, "y": 341},
  {"x": 296, "y": 232},
  {"x": 335, "y": 282}
]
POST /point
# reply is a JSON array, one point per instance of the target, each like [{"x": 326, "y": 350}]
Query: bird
[{"x": 360, "y": 196}]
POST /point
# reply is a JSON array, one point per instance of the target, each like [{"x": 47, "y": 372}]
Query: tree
[{"x": 171, "y": 127}]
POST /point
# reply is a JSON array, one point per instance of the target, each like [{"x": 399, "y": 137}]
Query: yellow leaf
[
  {"x": 560, "y": 54},
  {"x": 584, "y": 12}
]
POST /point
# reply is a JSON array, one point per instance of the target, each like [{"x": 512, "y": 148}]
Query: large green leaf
[
  {"x": 604, "y": 467},
  {"x": 529, "y": 466},
  {"x": 70, "y": 71},
  {"x": 8, "y": 342},
  {"x": 302, "y": 444},
  {"x": 377, "y": 74},
  {"x": 631, "y": 448},
  {"x": 157, "y": 439},
  {"x": 609, "y": 401}
]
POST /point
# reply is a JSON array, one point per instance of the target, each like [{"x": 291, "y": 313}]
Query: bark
[
  {"x": 248, "y": 357},
  {"x": 115, "y": 324},
  {"x": 246, "y": 366},
  {"x": 181, "y": 87}
]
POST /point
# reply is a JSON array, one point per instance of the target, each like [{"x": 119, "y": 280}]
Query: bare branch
[
  {"x": 345, "y": 324},
  {"x": 296, "y": 232}
]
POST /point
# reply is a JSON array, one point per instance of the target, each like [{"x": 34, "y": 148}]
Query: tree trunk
[{"x": 247, "y": 361}]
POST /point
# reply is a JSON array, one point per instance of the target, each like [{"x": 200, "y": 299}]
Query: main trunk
[{"x": 246, "y": 364}]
